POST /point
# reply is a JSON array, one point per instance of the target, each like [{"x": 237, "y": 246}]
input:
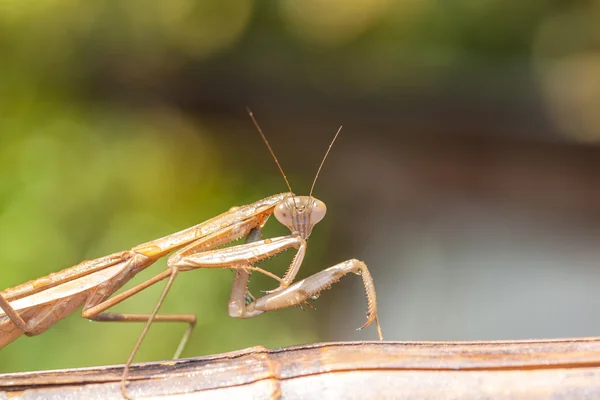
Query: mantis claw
[
  {"x": 310, "y": 306},
  {"x": 281, "y": 287}
]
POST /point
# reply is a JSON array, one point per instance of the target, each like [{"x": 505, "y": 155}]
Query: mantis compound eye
[
  {"x": 318, "y": 209},
  {"x": 283, "y": 213}
]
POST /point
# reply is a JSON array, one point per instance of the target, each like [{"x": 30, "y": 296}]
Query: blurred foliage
[{"x": 95, "y": 158}]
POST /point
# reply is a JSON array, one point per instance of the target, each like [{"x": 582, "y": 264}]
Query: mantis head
[{"x": 300, "y": 213}]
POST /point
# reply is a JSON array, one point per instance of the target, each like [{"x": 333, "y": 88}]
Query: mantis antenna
[
  {"x": 270, "y": 149},
  {"x": 323, "y": 161}
]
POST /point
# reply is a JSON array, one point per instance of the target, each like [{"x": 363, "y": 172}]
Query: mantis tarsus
[{"x": 35, "y": 306}]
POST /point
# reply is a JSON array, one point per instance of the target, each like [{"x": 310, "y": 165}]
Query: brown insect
[{"x": 35, "y": 306}]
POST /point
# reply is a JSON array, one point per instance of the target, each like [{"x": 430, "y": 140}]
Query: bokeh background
[{"x": 466, "y": 175}]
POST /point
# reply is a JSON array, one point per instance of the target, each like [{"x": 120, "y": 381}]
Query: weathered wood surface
[{"x": 537, "y": 369}]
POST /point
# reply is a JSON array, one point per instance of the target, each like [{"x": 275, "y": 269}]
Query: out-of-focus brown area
[{"x": 464, "y": 175}]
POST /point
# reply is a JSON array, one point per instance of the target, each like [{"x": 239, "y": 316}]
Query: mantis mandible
[{"x": 33, "y": 307}]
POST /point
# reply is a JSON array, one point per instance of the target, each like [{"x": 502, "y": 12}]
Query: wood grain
[{"x": 536, "y": 369}]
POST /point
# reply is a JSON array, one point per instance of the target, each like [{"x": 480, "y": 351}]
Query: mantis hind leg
[
  {"x": 36, "y": 321},
  {"x": 13, "y": 315},
  {"x": 94, "y": 309}
]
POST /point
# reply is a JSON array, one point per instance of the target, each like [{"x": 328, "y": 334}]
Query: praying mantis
[{"x": 33, "y": 307}]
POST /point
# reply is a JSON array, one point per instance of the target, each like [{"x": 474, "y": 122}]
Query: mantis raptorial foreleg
[
  {"x": 245, "y": 255},
  {"x": 308, "y": 288}
]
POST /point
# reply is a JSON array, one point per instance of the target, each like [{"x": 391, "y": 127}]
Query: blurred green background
[{"x": 465, "y": 176}]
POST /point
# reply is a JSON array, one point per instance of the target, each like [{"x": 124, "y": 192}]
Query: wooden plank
[{"x": 536, "y": 369}]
